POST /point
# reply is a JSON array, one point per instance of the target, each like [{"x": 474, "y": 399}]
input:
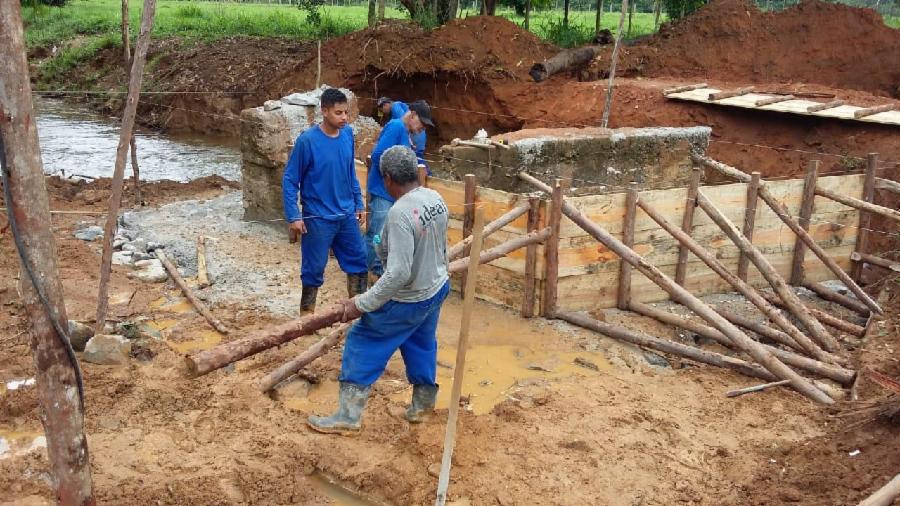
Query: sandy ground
[{"x": 536, "y": 427}]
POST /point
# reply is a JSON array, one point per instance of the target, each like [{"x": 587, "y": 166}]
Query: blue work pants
[
  {"x": 378, "y": 211},
  {"x": 341, "y": 236}
]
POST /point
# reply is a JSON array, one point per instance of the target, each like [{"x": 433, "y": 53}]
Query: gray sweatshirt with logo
[{"x": 413, "y": 250}]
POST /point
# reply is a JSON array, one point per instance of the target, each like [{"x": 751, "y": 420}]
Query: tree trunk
[
  {"x": 598, "y": 22},
  {"x": 656, "y": 16},
  {"x": 528, "y": 12},
  {"x": 59, "y": 386},
  {"x": 566, "y": 13},
  {"x": 630, "y": 15},
  {"x": 380, "y": 10},
  {"x": 372, "y": 13},
  {"x": 563, "y": 60}
]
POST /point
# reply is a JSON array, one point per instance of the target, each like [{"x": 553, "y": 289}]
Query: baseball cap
[
  {"x": 422, "y": 108},
  {"x": 382, "y": 101}
]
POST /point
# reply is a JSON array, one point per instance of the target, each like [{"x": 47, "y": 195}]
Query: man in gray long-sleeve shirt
[{"x": 402, "y": 309}]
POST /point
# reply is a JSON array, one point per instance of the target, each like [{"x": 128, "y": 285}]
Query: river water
[{"x": 78, "y": 142}]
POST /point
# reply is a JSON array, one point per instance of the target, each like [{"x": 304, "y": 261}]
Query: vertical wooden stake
[
  {"x": 461, "y": 348},
  {"x": 749, "y": 222},
  {"x": 469, "y": 196},
  {"x": 624, "y": 293},
  {"x": 551, "y": 251},
  {"x": 865, "y": 218},
  {"x": 687, "y": 223},
  {"x": 202, "y": 273},
  {"x": 115, "y": 195},
  {"x": 318, "y": 63},
  {"x": 612, "y": 66},
  {"x": 59, "y": 386},
  {"x": 807, "y": 205},
  {"x": 423, "y": 176},
  {"x": 534, "y": 217}
]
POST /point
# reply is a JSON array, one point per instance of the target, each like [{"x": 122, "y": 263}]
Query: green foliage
[
  {"x": 189, "y": 11},
  {"x": 75, "y": 55},
  {"x": 573, "y": 35},
  {"x": 313, "y": 11},
  {"x": 677, "y": 9},
  {"x": 427, "y": 19}
]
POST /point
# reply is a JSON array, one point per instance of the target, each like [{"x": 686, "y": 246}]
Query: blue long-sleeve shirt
[
  {"x": 321, "y": 169},
  {"x": 393, "y": 134},
  {"x": 398, "y": 109}
]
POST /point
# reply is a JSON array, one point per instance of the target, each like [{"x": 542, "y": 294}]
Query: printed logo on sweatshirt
[{"x": 428, "y": 214}]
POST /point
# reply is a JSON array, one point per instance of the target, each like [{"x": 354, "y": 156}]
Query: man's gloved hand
[
  {"x": 296, "y": 229},
  {"x": 351, "y": 312}
]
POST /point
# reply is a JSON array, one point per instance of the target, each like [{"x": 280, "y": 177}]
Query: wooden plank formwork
[{"x": 588, "y": 272}]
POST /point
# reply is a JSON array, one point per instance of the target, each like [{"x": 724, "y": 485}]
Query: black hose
[{"x": 61, "y": 333}]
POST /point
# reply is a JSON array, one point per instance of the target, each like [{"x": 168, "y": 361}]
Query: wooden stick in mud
[
  {"x": 819, "y": 334},
  {"x": 551, "y": 251},
  {"x": 822, "y": 316},
  {"x": 749, "y": 222},
  {"x": 534, "y": 217},
  {"x": 115, "y": 196},
  {"x": 313, "y": 352},
  {"x": 832, "y": 296},
  {"x": 771, "y": 312},
  {"x": 885, "y": 495},
  {"x": 623, "y": 294},
  {"x": 198, "y": 304},
  {"x": 785, "y": 216},
  {"x": 687, "y": 223},
  {"x": 510, "y": 216},
  {"x": 757, "y": 388},
  {"x": 874, "y": 260},
  {"x": 754, "y": 349},
  {"x": 461, "y": 348},
  {"x": 202, "y": 274},
  {"x": 807, "y": 206},
  {"x": 865, "y": 219}
]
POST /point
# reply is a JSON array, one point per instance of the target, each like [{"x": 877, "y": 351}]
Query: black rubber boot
[
  {"x": 422, "y": 405},
  {"x": 348, "y": 418},
  {"x": 308, "y": 300},
  {"x": 356, "y": 284}
]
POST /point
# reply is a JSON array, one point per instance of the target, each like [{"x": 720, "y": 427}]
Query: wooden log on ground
[
  {"x": 313, "y": 352},
  {"x": 551, "y": 251},
  {"x": 534, "y": 217},
  {"x": 757, "y": 388},
  {"x": 773, "y": 100},
  {"x": 865, "y": 219},
  {"x": 868, "y": 111},
  {"x": 510, "y": 216},
  {"x": 800, "y": 341},
  {"x": 825, "y": 105},
  {"x": 885, "y": 495},
  {"x": 860, "y": 204},
  {"x": 874, "y": 260},
  {"x": 818, "y": 333},
  {"x": 729, "y": 93},
  {"x": 687, "y": 223},
  {"x": 665, "y": 346},
  {"x": 830, "y": 371},
  {"x": 623, "y": 295},
  {"x": 563, "y": 60},
  {"x": 202, "y": 274},
  {"x": 822, "y": 316},
  {"x": 749, "y": 222},
  {"x": 785, "y": 216},
  {"x": 754, "y": 349},
  {"x": 887, "y": 184},
  {"x": 503, "y": 249},
  {"x": 198, "y": 304},
  {"x": 760, "y": 329},
  {"x": 807, "y": 205},
  {"x": 832, "y": 296},
  {"x": 687, "y": 87}
]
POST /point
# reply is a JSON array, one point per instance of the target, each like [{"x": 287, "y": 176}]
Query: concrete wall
[
  {"x": 593, "y": 157},
  {"x": 267, "y": 138}
]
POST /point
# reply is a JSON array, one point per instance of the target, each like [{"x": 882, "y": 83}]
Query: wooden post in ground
[
  {"x": 534, "y": 218},
  {"x": 551, "y": 251},
  {"x": 462, "y": 344},
  {"x": 470, "y": 194},
  {"x": 749, "y": 222},
  {"x": 202, "y": 273},
  {"x": 687, "y": 223},
  {"x": 741, "y": 340},
  {"x": 612, "y": 66},
  {"x": 807, "y": 206},
  {"x": 623, "y": 295},
  {"x": 865, "y": 219},
  {"x": 785, "y": 216},
  {"x": 126, "y": 48},
  {"x": 115, "y": 196},
  {"x": 784, "y": 291},
  {"x": 59, "y": 386}
]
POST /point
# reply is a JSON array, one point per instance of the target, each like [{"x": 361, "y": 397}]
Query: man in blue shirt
[
  {"x": 397, "y": 132},
  {"x": 395, "y": 109},
  {"x": 321, "y": 169}
]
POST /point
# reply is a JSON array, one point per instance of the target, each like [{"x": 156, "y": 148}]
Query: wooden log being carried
[
  {"x": 786, "y": 218},
  {"x": 754, "y": 349},
  {"x": 563, "y": 60}
]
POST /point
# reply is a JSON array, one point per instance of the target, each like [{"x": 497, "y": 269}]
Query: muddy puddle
[
  {"x": 165, "y": 321},
  {"x": 76, "y": 142},
  {"x": 20, "y": 442}
]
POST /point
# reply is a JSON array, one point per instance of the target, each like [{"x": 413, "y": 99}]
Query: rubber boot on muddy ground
[
  {"x": 348, "y": 418},
  {"x": 356, "y": 284},
  {"x": 308, "y": 300},
  {"x": 422, "y": 405}
]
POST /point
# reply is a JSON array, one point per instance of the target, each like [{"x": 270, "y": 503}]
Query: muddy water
[{"x": 76, "y": 142}]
